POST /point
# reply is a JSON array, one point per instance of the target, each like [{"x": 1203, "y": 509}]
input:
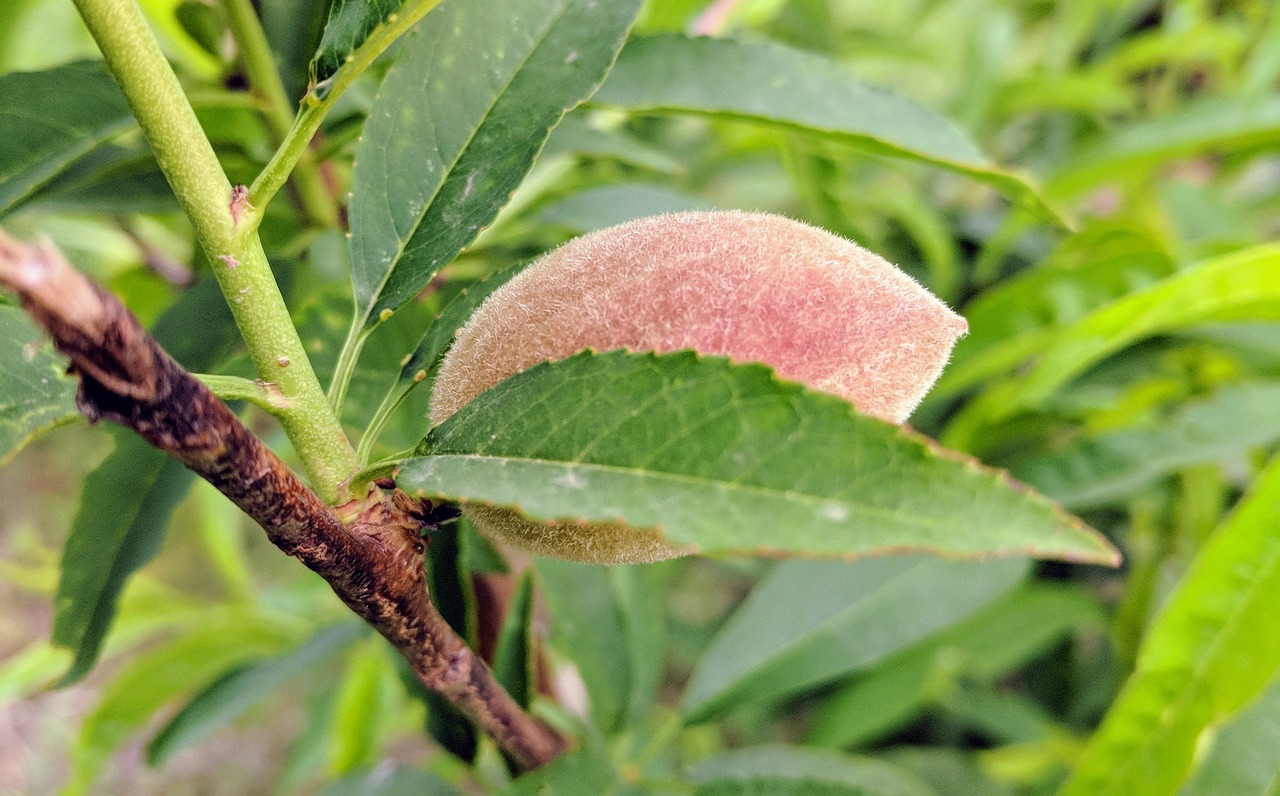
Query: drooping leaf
[
  {"x": 1242, "y": 285},
  {"x": 124, "y": 514},
  {"x": 796, "y": 771},
  {"x": 987, "y": 645},
  {"x": 52, "y": 118},
  {"x": 1244, "y": 756},
  {"x": 238, "y": 689},
  {"x": 777, "y": 85},
  {"x": 1209, "y": 652},
  {"x": 1092, "y": 471},
  {"x": 809, "y": 622},
  {"x": 458, "y": 122},
  {"x": 128, "y": 499},
  {"x": 726, "y": 457},
  {"x": 35, "y": 392}
]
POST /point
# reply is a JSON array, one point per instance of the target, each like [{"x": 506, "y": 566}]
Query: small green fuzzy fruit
[{"x": 818, "y": 309}]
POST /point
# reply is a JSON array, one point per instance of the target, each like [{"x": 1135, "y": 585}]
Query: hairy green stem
[
  {"x": 322, "y": 97},
  {"x": 218, "y": 215},
  {"x": 255, "y": 55}
]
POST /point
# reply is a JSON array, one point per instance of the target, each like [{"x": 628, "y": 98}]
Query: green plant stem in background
[
  {"x": 235, "y": 388},
  {"x": 322, "y": 96},
  {"x": 255, "y": 54},
  {"x": 239, "y": 263}
]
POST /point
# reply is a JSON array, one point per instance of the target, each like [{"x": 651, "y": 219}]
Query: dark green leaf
[
  {"x": 769, "y": 83},
  {"x": 124, "y": 514},
  {"x": 450, "y": 586},
  {"x": 809, "y": 622},
  {"x": 110, "y": 179},
  {"x": 1209, "y": 652},
  {"x": 350, "y": 24},
  {"x": 228, "y": 697},
  {"x": 458, "y": 122},
  {"x": 726, "y": 457},
  {"x": 52, "y": 118},
  {"x": 35, "y": 392},
  {"x": 513, "y": 658},
  {"x": 797, "y": 771}
]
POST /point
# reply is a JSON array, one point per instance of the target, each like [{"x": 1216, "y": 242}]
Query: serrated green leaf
[
  {"x": 35, "y": 392},
  {"x": 1093, "y": 471},
  {"x": 796, "y": 771},
  {"x": 809, "y": 622},
  {"x": 982, "y": 648},
  {"x": 458, "y": 122},
  {"x": 1209, "y": 652},
  {"x": 513, "y": 656},
  {"x": 725, "y": 457},
  {"x": 1243, "y": 285},
  {"x": 238, "y": 689},
  {"x": 769, "y": 83},
  {"x": 349, "y": 25},
  {"x": 52, "y": 118}
]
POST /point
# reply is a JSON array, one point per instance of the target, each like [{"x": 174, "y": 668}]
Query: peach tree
[{"x": 355, "y": 337}]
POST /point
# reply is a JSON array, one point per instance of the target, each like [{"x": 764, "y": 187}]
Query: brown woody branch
[{"x": 374, "y": 564}]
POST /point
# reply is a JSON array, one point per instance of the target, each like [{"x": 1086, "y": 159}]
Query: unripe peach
[{"x": 817, "y": 308}]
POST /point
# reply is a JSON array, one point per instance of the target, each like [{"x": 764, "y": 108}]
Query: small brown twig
[{"x": 374, "y": 564}]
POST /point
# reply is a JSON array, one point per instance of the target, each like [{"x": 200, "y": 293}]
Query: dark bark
[{"x": 374, "y": 563}]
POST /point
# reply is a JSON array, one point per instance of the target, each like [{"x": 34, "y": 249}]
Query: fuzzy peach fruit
[{"x": 755, "y": 287}]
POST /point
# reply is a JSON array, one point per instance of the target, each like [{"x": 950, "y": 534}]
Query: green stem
[
  {"x": 262, "y": 394},
  {"x": 239, "y": 263},
  {"x": 321, "y": 98},
  {"x": 346, "y": 364},
  {"x": 370, "y": 438},
  {"x": 255, "y": 55}
]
